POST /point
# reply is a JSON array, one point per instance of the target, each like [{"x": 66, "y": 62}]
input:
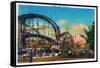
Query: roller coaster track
[
  {"x": 26, "y": 34},
  {"x": 22, "y": 18}
]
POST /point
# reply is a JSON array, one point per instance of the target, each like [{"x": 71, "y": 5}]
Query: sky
[{"x": 65, "y": 17}]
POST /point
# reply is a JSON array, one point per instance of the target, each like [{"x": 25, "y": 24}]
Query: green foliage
[
  {"x": 82, "y": 53},
  {"x": 64, "y": 52},
  {"x": 90, "y": 36}
]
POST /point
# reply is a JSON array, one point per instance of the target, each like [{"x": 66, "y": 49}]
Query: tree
[{"x": 90, "y": 36}]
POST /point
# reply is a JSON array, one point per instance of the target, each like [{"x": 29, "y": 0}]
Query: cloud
[
  {"x": 62, "y": 22},
  {"x": 77, "y": 28}
]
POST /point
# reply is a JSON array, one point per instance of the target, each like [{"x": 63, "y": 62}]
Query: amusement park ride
[{"x": 41, "y": 35}]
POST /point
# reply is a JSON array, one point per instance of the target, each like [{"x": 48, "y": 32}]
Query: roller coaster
[
  {"x": 24, "y": 17},
  {"x": 27, "y": 21}
]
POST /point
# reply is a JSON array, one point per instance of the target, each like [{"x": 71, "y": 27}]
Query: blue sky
[{"x": 70, "y": 15}]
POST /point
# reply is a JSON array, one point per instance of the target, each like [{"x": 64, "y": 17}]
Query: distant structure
[{"x": 80, "y": 41}]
